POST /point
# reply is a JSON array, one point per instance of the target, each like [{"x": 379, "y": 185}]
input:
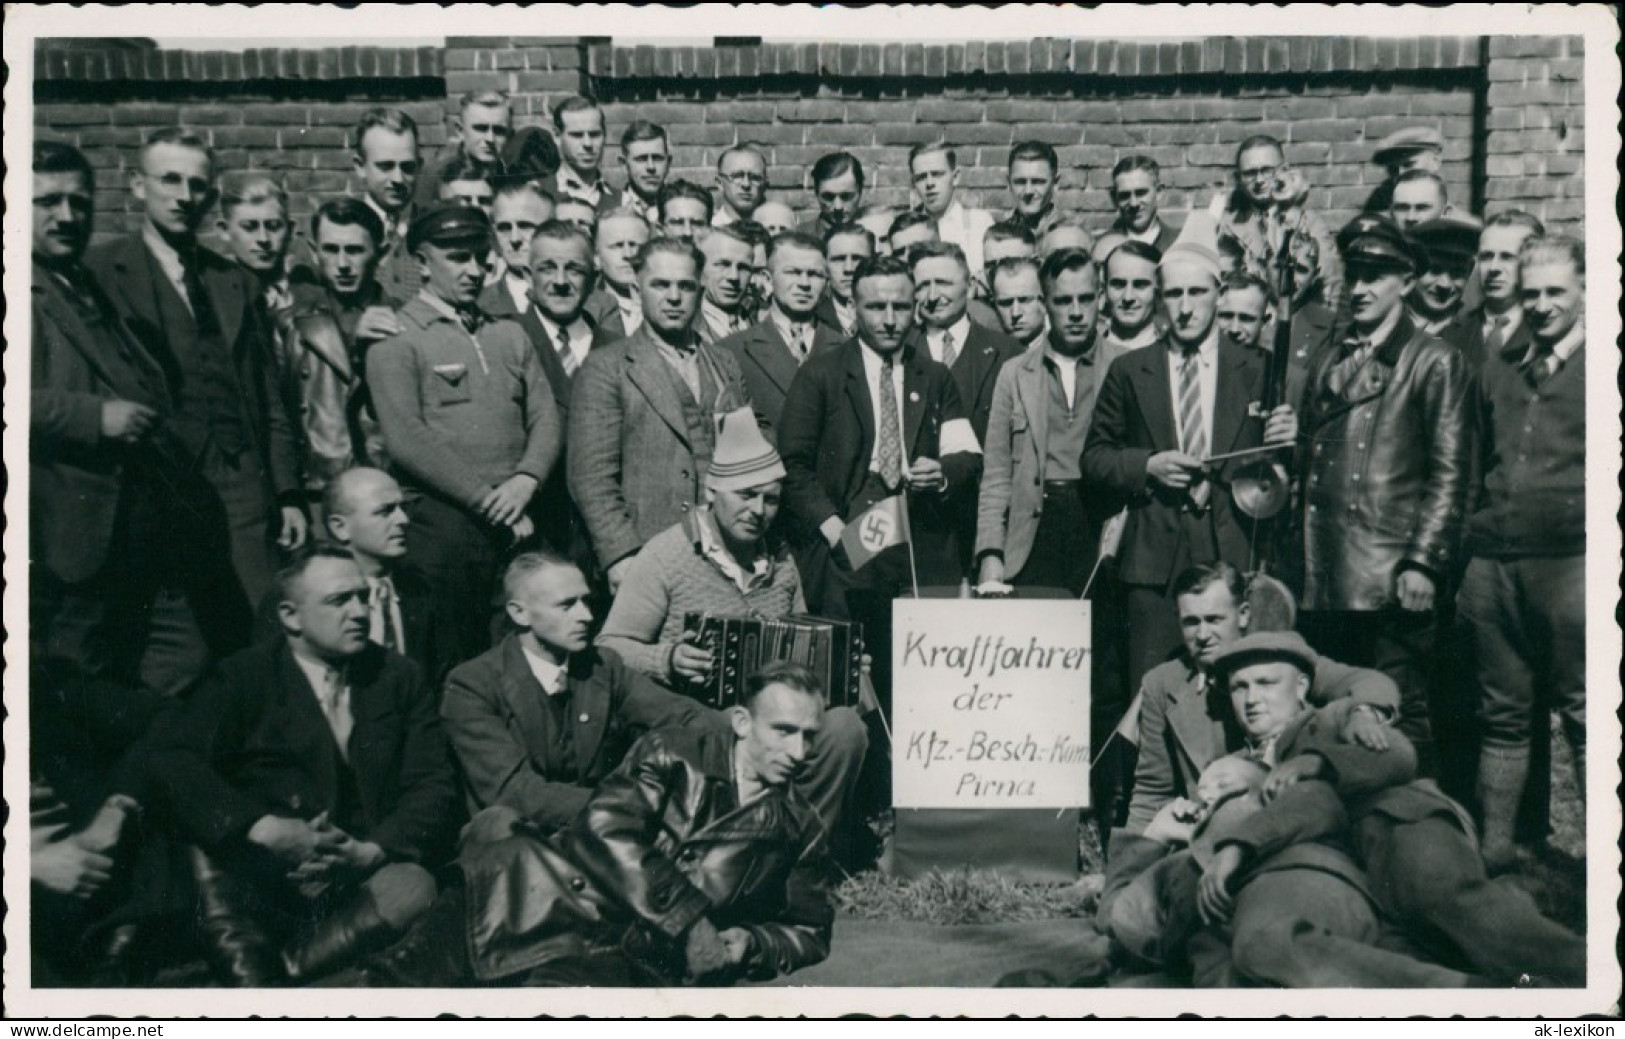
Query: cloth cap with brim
[
  {"x": 1264, "y": 647},
  {"x": 1191, "y": 253},
  {"x": 1449, "y": 239},
  {"x": 742, "y": 457},
  {"x": 1411, "y": 139},
  {"x": 448, "y": 225},
  {"x": 1376, "y": 241}
]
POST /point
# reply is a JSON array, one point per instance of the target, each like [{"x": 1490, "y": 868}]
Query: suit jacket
[
  {"x": 1134, "y": 419},
  {"x": 663, "y": 843},
  {"x": 253, "y": 741},
  {"x": 1166, "y": 237},
  {"x": 827, "y": 433},
  {"x": 605, "y": 313},
  {"x": 635, "y": 468},
  {"x": 976, "y": 370},
  {"x": 1014, "y": 449},
  {"x": 768, "y": 367},
  {"x": 496, "y": 300},
  {"x": 1184, "y": 726},
  {"x": 131, "y": 278},
  {"x": 76, "y": 477},
  {"x": 493, "y": 710}
]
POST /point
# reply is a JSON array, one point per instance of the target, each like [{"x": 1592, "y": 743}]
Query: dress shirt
[
  {"x": 169, "y": 261},
  {"x": 518, "y": 289},
  {"x": 1513, "y": 319},
  {"x": 723, "y": 217},
  {"x": 571, "y": 183},
  {"x": 631, "y": 200},
  {"x": 631, "y": 308},
  {"x": 965, "y": 228},
  {"x": 1150, "y": 235},
  {"x": 1562, "y": 350},
  {"x": 960, "y": 330},
  {"x": 846, "y": 314},
  {"x": 1066, "y": 369},
  {"x": 797, "y": 335},
  {"x": 332, "y": 690},
  {"x": 685, "y": 361},
  {"x": 577, "y": 338},
  {"x": 720, "y": 323},
  {"x": 394, "y": 226},
  {"x": 550, "y": 676},
  {"x": 871, "y": 377},
  {"x": 1207, "y": 373}
]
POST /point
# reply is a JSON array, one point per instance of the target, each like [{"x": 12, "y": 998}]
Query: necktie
[
  {"x": 891, "y": 430},
  {"x": 1540, "y": 363},
  {"x": 335, "y": 699},
  {"x": 470, "y": 319},
  {"x": 1192, "y": 429},
  {"x": 1497, "y": 335},
  {"x": 949, "y": 354},
  {"x": 197, "y": 297},
  {"x": 567, "y": 356},
  {"x": 384, "y": 631}
]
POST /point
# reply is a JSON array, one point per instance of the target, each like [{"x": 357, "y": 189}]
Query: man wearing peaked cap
[
  {"x": 1385, "y": 475},
  {"x": 1413, "y": 148},
  {"x": 468, "y": 415},
  {"x": 1451, "y": 243}
]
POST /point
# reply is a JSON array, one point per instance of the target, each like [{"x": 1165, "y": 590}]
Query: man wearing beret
[
  {"x": 467, "y": 413},
  {"x": 1451, "y": 243},
  {"x": 1385, "y": 472}
]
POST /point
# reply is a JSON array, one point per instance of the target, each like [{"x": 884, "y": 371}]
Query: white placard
[{"x": 991, "y": 698}]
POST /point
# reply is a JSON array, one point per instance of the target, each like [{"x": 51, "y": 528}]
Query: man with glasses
[
  {"x": 1268, "y": 203},
  {"x": 741, "y": 184}
]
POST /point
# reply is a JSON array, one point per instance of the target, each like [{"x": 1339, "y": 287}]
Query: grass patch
[{"x": 962, "y": 896}]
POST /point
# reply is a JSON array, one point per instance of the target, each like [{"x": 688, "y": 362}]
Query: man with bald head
[
  {"x": 365, "y": 513},
  {"x": 775, "y": 217},
  {"x": 1161, "y": 413}
]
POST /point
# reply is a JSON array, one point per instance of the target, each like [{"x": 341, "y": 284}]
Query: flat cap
[
  {"x": 1449, "y": 238},
  {"x": 448, "y": 223},
  {"x": 1265, "y": 646},
  {"x": 1376, "y": 241},
  {"x": 1410, "y": 139}
]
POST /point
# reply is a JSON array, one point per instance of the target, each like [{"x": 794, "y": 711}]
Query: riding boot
[
  {"x": 353, "y": 931},
  {"x": 239, "y": 951},
  {"x": 434, "y": 953}
]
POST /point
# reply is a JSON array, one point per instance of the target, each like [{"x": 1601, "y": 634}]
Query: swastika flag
[{"x": 878, "y": 528}]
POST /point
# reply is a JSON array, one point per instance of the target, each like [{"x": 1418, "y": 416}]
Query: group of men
[{"x": 343, "y": 507}]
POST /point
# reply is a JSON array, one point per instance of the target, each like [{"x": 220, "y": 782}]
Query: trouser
[
  {"x": 1307, "y": 928},
  {"x": 241, "y": 484},
  {"x": 460, "y": 557},
  {"x": 1428, "y": 875},
  {"x": 1528, "y": 619},
  {"x": 1399, "y": 643}
]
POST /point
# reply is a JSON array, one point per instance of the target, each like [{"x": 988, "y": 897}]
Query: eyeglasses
[{"x": 1259, "y": 172}]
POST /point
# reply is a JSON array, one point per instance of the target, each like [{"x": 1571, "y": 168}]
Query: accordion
[{"x": 832, "y": 650}]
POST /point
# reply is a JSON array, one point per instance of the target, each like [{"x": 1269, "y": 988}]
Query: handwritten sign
[{"x": 992, "y": 703}]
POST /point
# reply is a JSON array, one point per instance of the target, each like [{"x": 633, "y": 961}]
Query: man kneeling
[{"x": 697, "y": 861}]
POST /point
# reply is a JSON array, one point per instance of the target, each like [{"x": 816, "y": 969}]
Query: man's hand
[
  {"x": 522, "y": 528},
  {"x": 617, "y": 574},
  {"x": 377, "y": 323},
  {"x": 1175, "y": 470},
  {"x": 343, "y": 852},
  {"x": 1415, "y": 590},
  {"x": 1214, "y": 899},
  {"x": 1290, "y": 773},
  {"x": 690, "y": 660},
  {"x": 126, "y": 421},
  {"x": 737, "y": 942},
  {"x": 504, "y": 504},
  {"x": 295, "y": 528},
  {"x": 926, "y": 475},
  {"x": 704, "y": 950},
  {"x": 1282, "y": 426},
  {"x": 1174, "y": 823},
  {"x": 1364, "y": 728},
  {"x": 103, "y": 831},
  {"x": 69, "y": 869},
  {"x": 291, "y": 840},
  {"x": 832, "y": 529}
]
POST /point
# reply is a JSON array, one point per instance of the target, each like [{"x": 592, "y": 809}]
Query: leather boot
[
  {"x": 434, "y": 953},
  {"x": 354, "y": 931},
  {"x": 239, "y": 951},
  {"x": 1501, "y": 775}
]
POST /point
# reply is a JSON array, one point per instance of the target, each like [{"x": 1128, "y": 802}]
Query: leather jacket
[
  {"x": 1386, "y": 470},
  {"x": 323, "y": 379},
  {"x": 662, "y": 843}
]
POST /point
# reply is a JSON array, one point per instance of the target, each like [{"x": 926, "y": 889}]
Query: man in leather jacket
[
  {"x": 696, "y": 862},
  {"x": 1385, "y": 476}
]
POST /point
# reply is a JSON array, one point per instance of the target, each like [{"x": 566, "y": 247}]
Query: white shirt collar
[
  {"x": 394, "y": 226},
  {"x": 549, "y": 676},
  {"x": 1206, "y": 355},
  {"x": 1564, "y": 348},
  {"x": 960, "y": 330},
  {"x": 572, "y": 183},
  {"x": 1150, "y": 235},
  {"x": 712, "y": 548}
]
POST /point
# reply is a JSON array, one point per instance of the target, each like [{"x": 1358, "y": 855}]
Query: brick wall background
[{"x": 1510, "y": 108}]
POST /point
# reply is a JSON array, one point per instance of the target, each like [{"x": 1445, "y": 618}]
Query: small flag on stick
[{"x": 876, "y": 529}]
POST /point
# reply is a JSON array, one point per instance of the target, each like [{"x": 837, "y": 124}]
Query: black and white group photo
[{"x": 771, "y": 502}]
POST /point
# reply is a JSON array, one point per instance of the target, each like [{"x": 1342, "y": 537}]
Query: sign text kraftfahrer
[{"x": 992, "y": 703}]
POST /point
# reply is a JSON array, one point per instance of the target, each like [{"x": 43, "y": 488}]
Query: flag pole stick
[
  {"x": 1092, "y": 574},
  {"x": 908, "y": 532}
]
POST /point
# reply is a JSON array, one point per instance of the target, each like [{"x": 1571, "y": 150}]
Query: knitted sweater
[{"x": 672, "y": 576}]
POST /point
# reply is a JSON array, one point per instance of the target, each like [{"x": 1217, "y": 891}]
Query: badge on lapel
[{"x": 1255, "y": 409}]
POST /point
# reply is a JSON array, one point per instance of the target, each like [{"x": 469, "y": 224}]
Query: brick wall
[{"x": 1510, "y": 108}]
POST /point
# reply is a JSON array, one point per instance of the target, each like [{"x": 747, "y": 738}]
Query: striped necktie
[{"x": 1192, "y": 428}]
